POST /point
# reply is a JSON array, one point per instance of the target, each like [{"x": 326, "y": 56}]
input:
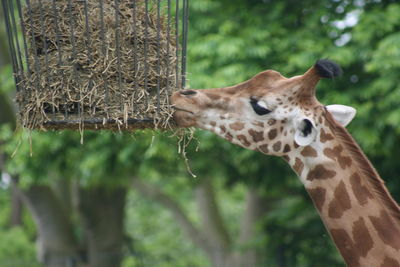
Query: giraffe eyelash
[{"x": 259, "y": 107}]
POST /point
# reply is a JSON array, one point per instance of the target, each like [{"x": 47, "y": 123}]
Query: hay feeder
[{"x": 96, "y": 64}]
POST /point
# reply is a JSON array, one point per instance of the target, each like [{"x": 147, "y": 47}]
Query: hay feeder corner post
[{"x": 96, "y": 64}]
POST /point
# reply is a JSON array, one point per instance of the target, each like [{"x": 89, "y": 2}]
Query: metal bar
[
  {"x": 158, "y": 54},
  {"x": 95, "y": 121},
  {"x": 146, "y": 65},
  {"x": 15, "y": 31},
  {"x": 185, "y": 20},
  {"x": 118, "y": 54},
  {"x": 104, "y": 52},
  {"x": 167, "y": 56},
  {"x": 34, "y": 47},
  {"x": 59, "y": 53},
  {"x": 74, "y": 54},
  {"x": 46, "y": 57},
  {"x": 177, "y": 44},
  {"x": 10, "y": 39},
  {"x": 87, "y": 29},
  {"x": 88, "y": 48},
  {"x": 135, "y": 52},
  {"x": 24, "y": 40}
]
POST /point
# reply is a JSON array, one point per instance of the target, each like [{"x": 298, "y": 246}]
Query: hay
[{"x": 94, "y": 78}]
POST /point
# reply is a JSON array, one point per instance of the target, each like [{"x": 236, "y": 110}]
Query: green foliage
[
  {"x": 152, "y": 247},
  {"x": 241, "y": 38},
  {"x": 16, "y": 246},
  {"x": 16, "y": 250},
  {"x": 42, "y": 157},
  {"x": 229, "y": 42},
  {"x": 6, "y": 84}
]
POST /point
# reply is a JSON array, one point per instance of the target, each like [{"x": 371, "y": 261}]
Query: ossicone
[{"x": 328, "y": 69}]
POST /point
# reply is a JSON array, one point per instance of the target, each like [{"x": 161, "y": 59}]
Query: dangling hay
[{"x": 86, "y": 72}]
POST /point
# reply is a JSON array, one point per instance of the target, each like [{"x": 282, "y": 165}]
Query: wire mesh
[{"x": 96, "y": 64}]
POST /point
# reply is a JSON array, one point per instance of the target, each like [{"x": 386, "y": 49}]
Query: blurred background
[{"x": 128, "y": 200}]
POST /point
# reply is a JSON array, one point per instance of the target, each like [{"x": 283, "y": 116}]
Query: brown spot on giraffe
[
  {"x": 263, "y": 149},
  {"x": 213, "y": 123},
  {"x": 362, "y": 238},
  {"x": 361, "y": 192},
  {"x": 336, "y": 154},
  {"x": 353, "y": 251},
  {"x": 340, "y": 202},
  {"x": 389, "y": 262},
  {"x": 223, "y": 129},
  {"x": 318, "y": 197},
  {"x": 295, "y": 145},
  {"x": 286, "y": 149},
  {"x": 228, "y": 136},
  {"x": 308, "y": 151},
  {"x": 325, "y": 136},
  {"x": 242, "y": 138},
  {"x": 272, "y": 134},
  {"x": 386, "y": 229},
  {"x": 320, "y": 172},
  {"x": 236, "y": 126},
  {"x": 271, "y": 122},
  {"x": 298, "y": 166},
  {"x": 277, "y": 146},
  {"x": 257, "y": 136},
  {"x": 345, "y": 245}
]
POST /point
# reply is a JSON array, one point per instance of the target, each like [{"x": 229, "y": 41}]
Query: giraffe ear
[
  {"x": 305, "y": 132},
  {"x": 342, "y": 114}
]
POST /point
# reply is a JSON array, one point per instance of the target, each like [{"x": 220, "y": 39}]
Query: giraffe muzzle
[{"x": 184, "y": 105}]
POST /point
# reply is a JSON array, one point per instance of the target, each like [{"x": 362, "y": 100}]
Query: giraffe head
[{"x": 269, "y": 113}]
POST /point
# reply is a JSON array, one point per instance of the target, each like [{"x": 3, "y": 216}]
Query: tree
[{"x": 229, "y": 42}]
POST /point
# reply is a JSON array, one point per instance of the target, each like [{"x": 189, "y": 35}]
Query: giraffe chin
[{"x": 184, "y": 118}]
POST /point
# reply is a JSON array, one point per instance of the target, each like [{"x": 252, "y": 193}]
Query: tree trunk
[
  {"x": 102, "y": 212},
  {"x": 157, "y": 195},
  {"x": 15, "y": 198},
  {"x": 212, "y": 224},
  {"x": 250, "y": 254},
  {"x": 56, "y": 246},
  {"x": 63, "y": 189},
  {"x": 16, "y": 203},
  {"x": 213, "y": 237}
]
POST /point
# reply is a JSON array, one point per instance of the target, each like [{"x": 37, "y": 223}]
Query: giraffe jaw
[
  {"x": 183, "y": 117},
  {"x": 186, "y": 111}
]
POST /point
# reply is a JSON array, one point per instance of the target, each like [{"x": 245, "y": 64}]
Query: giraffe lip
[{"x": 184, "y": 110}]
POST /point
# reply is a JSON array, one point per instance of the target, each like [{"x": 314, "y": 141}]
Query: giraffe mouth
[
  {"x": 184, "y": 117},
  {"x": 182, "y": 109}
]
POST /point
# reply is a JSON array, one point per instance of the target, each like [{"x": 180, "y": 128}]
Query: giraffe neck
[{"x": 356, "y": 208}]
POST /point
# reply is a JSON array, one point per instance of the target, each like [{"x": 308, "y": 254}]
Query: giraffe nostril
[{"x": 187, "y": 92}]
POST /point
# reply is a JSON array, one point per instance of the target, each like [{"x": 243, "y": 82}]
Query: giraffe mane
[{"x": 374, "y": 181}]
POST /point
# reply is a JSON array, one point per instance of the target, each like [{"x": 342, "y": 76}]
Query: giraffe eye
[{"x": 259, "y": 107}]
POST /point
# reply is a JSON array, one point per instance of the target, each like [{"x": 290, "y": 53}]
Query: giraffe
[{"x": 282, "y": 117}]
